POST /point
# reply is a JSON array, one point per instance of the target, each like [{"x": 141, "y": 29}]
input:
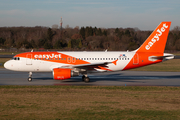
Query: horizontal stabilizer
[{"x": 165, "y": 57}]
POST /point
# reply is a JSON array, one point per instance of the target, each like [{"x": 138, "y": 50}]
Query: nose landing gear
[{"x": 30, "y": 77}]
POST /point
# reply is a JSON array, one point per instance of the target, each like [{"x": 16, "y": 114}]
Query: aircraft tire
[
  {"x": 86, "y": 79},
  {"x": 83, "y": 78},
  {"x": 29, "y": 79}
]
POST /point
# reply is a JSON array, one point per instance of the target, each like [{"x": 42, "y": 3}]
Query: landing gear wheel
[
  {"x": 29, "y": 79},
  {"x": 83, "y": 78},
  {"x": 86, "y": 79}
]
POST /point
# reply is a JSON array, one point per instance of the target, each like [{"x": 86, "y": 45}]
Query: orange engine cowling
[{"x": 63, "y": 73}]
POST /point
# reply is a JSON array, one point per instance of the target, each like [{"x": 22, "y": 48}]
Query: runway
[{"x": 122, "y": 78}]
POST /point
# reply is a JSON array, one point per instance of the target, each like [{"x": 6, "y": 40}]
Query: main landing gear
[
  {"x": 85, "y": 78},
  {"x": 30, "y": 77}
]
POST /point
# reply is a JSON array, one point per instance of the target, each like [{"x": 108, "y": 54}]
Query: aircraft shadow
[
  {"x": 119, "y": 78},
  {"x": 112, "y": 77}
]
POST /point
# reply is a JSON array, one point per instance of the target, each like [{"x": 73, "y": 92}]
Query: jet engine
[{"x": 63, "y": 73}]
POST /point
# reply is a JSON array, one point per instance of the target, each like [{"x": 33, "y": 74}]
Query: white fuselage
[{"x": 44, "y": 64}]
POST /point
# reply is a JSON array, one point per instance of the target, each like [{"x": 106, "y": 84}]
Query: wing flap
[
  {"x": 92, "y": 65},
  {"x": 101, "y": 65}
]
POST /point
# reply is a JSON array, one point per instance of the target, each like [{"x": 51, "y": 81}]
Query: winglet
[{"x": 156, "y": 42}]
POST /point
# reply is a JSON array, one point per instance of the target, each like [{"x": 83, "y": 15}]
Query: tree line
[{"x": 80, "y": 39}]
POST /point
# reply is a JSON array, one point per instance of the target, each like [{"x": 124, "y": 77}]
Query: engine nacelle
[{"x": 63, "y": 73}]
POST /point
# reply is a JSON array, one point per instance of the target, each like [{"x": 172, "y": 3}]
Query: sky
[{"x": 142, "y": 14}]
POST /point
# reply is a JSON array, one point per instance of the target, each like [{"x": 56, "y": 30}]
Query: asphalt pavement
[{"x": 121, "y": 78}]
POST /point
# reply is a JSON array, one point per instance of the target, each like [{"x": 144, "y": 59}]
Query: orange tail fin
[{"x": 156, "y": 42}]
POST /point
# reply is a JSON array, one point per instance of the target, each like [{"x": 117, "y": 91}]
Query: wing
[
  {"x": 101, "y": 65},
  {"x": 93, "y": 65}
]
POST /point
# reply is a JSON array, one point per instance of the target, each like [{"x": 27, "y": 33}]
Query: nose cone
[
  {"x": 12, "y": 65},
  {"x": 7, "y": 65}
]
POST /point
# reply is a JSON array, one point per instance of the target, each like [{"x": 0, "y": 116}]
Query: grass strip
[{"x": 89, "y": 102}]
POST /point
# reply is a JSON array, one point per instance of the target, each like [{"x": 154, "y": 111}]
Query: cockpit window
[{"x": 16, "y": 58}]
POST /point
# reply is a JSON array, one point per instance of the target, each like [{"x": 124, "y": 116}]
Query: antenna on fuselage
[{"x": 32, "y": 50}]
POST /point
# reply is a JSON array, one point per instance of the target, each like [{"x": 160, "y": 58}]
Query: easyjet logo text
[
  {"x": 159, "y": 33},
  {"x": 47, "y": 56}
]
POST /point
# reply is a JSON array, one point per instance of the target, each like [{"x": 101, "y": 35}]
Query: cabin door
[
  {"x": 29, "y": 59},
  {"x": 136, "y": 59}
]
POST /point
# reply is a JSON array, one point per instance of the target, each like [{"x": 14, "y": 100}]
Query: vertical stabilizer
[{"x": 156, "y": 42}]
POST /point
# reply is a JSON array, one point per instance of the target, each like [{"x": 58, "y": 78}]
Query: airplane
[{"x": 65, "y": 65}]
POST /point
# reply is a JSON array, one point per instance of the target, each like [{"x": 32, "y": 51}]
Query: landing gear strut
[
  {"x": 85, "y": 78},
  {"x": 30, "y": 77}
]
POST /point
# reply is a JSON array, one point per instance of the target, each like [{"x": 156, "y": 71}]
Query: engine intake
[{"x": 63, "y": 73}]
